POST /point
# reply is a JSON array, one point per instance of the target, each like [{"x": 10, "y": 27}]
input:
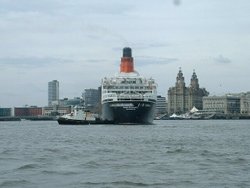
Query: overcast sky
[{"x": 79, "y": 42}]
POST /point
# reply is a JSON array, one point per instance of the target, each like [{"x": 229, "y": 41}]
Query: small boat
[{"x": 80, "y": 116}]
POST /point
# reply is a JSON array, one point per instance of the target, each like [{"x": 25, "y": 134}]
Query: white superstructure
[{"x": 128, "y": 86}]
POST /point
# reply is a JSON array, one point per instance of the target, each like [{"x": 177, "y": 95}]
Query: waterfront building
[
  {"x": 181, "y": 99},
  {"x": 57, "y": 110},
  {"x": 245, "y": 103},
  {"x": 227, "y": 105},
  {"x": 62, "y": 106},
  {"x": 70, "y": 102},
  {"x": 161, "y": 105},
  {"x": 5, "y": 112},
  {"x": 53, "y": 92},
  {"x": 27, "y": 111}
]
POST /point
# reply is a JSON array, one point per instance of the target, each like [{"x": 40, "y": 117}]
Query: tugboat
[
  {"x": 128, "y": 98},
  {"x": 80, "y": 116}
]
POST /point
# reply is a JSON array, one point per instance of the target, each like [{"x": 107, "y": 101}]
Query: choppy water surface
[{"x": 167, "y": 154}]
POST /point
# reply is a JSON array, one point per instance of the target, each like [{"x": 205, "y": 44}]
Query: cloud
[
  {"x": 79, "y": 42},
  {"x": 141, "y": 46},
  {"x": 221, "y": 60},
  {"x": 149, "y": 45},
  {"x": 31, "y": 62},
  {"x": 148, "y": 60},
  {"x": 177, "y": 2},
  {"x": 94, "y": 7}
]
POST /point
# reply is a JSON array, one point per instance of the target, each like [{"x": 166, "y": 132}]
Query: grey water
[{"x": 206, "y": 153}]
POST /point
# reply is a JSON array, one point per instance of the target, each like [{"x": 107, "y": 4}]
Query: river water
[{"x": 206, "y": 153}]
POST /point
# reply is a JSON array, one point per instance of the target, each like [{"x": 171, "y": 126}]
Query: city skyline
[{"x": 78, "y": 43}]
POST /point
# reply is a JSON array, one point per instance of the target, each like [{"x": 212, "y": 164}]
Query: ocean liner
[{"x": 128, "y": 98}]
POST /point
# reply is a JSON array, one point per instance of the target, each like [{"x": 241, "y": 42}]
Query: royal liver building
[{"x": 182, "y": 99}]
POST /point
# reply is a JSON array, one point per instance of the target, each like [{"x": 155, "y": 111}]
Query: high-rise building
[
  {"x": 91, "y": 99},
  {"x": 53, "y": 92},
  {"x": 181, "y": 99}
]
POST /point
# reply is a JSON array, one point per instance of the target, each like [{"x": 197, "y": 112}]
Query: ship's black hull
[{"x": 129, "y": 112}]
